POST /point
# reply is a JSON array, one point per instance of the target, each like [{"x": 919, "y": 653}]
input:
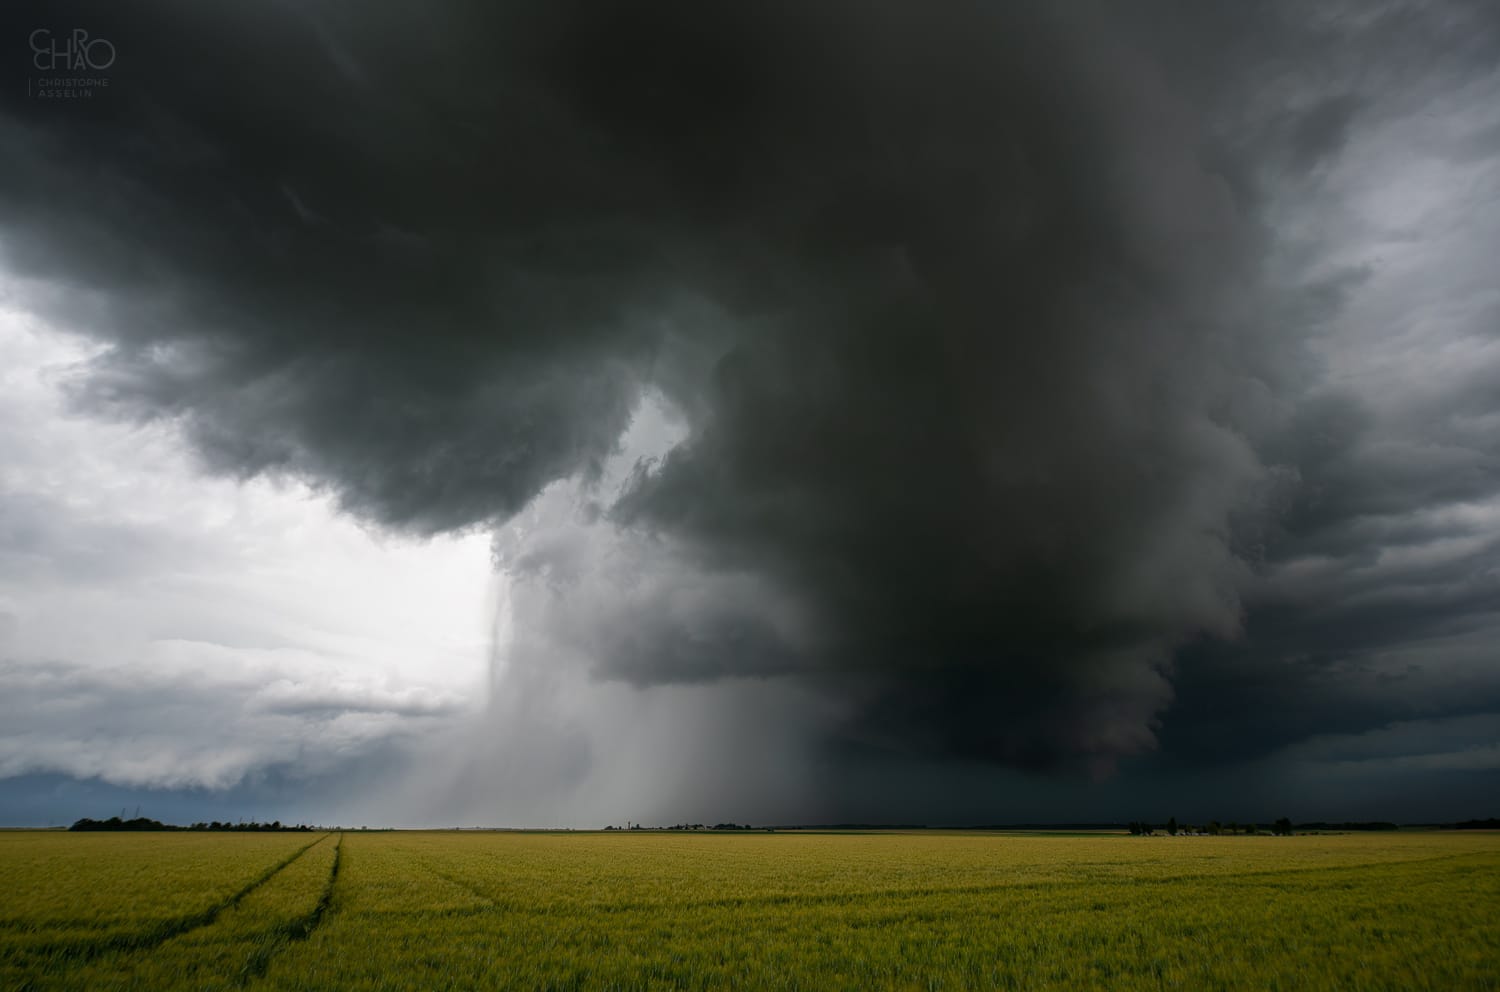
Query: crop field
[{"x": 922, "y": 910}]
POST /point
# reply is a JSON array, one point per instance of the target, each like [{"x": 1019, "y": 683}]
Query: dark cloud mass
[{"x": 993, "y": 336}]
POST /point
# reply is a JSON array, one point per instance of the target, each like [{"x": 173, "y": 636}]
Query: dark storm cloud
[
  {"x": 991, "y": 400},
  {"x": 419, "y": 299},
  {"x": 1376, "y": 597}
]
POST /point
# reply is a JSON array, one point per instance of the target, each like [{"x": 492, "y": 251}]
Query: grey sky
[{"x": 544, "y": 409}]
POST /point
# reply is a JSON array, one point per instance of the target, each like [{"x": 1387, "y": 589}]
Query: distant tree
[
  {"x": 1172, "y": 826},
  {"x": 1489, "y": 824},
  {"x": 114, "y": 823},
  {"x": 1213, "y": 828},
  {"x": 1283, "y": 828}
]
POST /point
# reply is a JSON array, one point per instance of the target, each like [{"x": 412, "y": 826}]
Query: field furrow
[
  {"x": 279, "y": 936},
  {"x": 450, "y": 911},
  {"x": 62, "y": 909},
  {"x": 165, "y": 952}
]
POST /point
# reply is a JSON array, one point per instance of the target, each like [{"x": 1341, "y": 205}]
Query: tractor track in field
[
  {"x": 80, "y": 951},
  {"x": 893, "y": 895},
  {"x": 299, "y": 929},
  {"x": 491, "y": 902}
]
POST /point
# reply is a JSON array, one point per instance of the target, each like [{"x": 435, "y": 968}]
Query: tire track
[
  {"x": 464, "y": 886},
  {"x": 81, "y": 951},
  {"x": 282, "y": 936},
  {"x": 1057, "y": 885}
]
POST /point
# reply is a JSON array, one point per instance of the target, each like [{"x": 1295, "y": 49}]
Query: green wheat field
[{"x": 791, "y": 910}]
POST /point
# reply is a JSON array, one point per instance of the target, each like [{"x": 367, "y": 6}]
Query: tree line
[
  {"x": 1281, "y": 828},
  {"x": 685, "y": 826},
  {"x": 1213, "y": 828},
  {"x": 144, "y": 823}
]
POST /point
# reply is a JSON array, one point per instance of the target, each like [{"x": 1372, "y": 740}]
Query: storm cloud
[{"x": 966, "y": 379}]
